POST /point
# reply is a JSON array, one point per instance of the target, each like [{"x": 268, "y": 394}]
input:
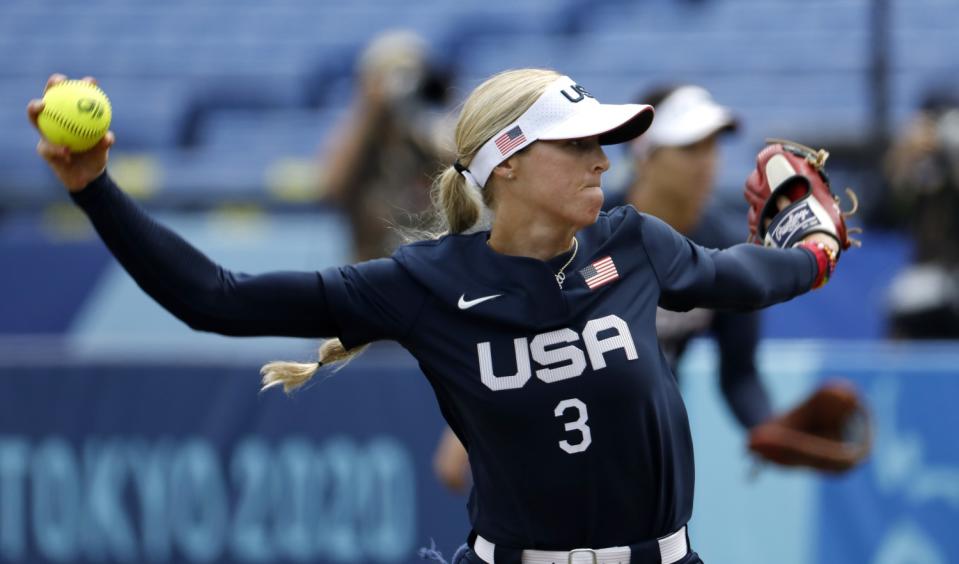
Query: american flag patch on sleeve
[{"x": 600, "y": 273}]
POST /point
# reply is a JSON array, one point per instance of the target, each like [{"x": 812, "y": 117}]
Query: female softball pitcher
[{"x": 538, "y": 335}]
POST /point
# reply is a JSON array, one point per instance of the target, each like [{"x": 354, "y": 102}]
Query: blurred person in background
[
  {"x": 922, "y": 170},
  {"x": 380, "y": 162},
  {"x": 674, "y": 172}
]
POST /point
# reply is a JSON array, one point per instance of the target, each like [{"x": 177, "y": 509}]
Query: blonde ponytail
[
  {"x": 458, "y": 204},
  {"x": 294, "y": 375}
]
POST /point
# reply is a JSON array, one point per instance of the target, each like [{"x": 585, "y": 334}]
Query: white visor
[
  {"x": 689, "y": 114},
  {"x": 565, "y": 110}
]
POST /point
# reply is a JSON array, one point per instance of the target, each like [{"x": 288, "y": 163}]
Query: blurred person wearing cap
[
  {"x": 922, "y": 173},
  {"x": 380, "y": 162},
  {"x": 536, "y": 331},
  {"x": 675, "y": 166}
]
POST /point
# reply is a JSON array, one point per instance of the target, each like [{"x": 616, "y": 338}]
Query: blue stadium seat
[
  {"x": 491, "y": 55},
  {"x": 720, "y": 51},
  {"x": 925, "y": 49},
  {"x": 147, "y": 112},
  {"x": 207, "y": 177},
  {"x": 277, "y": 132},
  {"x": 740, "y": 16},
  {"x": 181, "y": 72},
  {"x": 237, "y": 150},
  {"x": 924, "y": 15}
]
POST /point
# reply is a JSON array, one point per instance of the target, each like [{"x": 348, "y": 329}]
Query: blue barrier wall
[
  {"x": 904, "y": 505},
  {"x": 900, "y": 507},
  {"x": 186, "y": 462},
  {"x": 171, "y": 455}
]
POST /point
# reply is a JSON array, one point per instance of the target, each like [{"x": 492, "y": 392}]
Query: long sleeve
[
  {"x": 196, "y": 290},
  {"x": 742, "y": 277},
  {"x": 737, "y": 335}
]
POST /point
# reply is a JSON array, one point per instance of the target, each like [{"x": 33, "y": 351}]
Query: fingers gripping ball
[
  {"x": 790, "y": 173},
  {"x": 76, "y": 114}
]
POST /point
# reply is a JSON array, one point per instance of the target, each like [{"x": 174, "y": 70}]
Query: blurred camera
[{"x": 401, "y": 61}]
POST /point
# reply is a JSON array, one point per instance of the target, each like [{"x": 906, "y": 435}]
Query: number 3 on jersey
[{"x": 578, "y": 425}]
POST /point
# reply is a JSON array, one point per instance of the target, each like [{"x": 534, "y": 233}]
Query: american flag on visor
[
  {"x": 600, "y": 272},
  {"x": 510, "y": 140}
]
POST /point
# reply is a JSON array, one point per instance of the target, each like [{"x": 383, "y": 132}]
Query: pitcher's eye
[{"x": 581, "y": 144}]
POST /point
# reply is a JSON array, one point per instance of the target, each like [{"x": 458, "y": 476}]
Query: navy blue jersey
[
  {"x": 737, "y": 333},
  {"x": 562, "y": 397},
  {"x": 575, "y": 428}
]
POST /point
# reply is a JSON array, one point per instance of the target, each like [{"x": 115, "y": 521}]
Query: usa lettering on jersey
[{"x": 559, "y": 363}]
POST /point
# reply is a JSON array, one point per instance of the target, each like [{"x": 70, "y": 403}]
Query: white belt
[{"x": 672, "y": 548}]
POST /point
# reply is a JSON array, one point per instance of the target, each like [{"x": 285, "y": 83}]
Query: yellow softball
[{"x": 76, "y": 114}]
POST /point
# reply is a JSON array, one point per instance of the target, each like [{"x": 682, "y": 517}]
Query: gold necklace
[{"x": 561, "y": 275}]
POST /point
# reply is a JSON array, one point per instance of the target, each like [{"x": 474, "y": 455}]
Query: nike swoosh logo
[{"x": 466, "y": 304}]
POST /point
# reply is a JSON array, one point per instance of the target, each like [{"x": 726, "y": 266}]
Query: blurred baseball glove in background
[{"x": 831, "y": 431}]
